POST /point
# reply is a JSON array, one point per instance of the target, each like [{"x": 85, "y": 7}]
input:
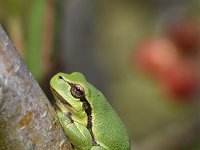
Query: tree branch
[{"x": 27, "y": 119}]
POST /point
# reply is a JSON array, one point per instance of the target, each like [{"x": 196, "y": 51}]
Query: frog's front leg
[{"x": 78, "y": 135}]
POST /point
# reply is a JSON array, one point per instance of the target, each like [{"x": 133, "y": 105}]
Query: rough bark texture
[{"x": 27, "y": 119}]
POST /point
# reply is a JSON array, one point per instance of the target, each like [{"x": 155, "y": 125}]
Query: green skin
[{"x": 86, "y": 117}]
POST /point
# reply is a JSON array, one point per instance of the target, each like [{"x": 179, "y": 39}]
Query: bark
[{"x": 27, "y": 119}]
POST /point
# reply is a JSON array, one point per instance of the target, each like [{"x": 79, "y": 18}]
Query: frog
[{"x": 86, "y": 117}]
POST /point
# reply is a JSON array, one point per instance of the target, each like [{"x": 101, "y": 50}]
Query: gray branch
[{"x": 27, "y": 119}]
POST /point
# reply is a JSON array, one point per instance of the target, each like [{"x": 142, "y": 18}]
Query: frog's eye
[{"x": 77, "y": 91}]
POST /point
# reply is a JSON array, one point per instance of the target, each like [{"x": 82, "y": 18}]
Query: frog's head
[{"x": 70, "y": 91}]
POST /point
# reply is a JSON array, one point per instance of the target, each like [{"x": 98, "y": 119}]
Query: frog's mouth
[{"x": 60, "y": 98}]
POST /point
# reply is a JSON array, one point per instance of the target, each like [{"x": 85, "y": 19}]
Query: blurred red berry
[
  {"x": 155, "y": 55},
  {"x": 180, "y": 81},
  {"x": 185, "y": 33}
]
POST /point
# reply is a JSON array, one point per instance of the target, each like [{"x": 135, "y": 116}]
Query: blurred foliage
[
  {"x": 34, "y": 38},
  {"x": 25, "y": 22},
  {"x": 11, "y": 8}
]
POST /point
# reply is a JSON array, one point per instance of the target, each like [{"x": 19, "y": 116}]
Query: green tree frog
[{"x": 88, "y": 120}]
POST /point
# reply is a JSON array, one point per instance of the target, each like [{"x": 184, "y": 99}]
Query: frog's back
[{"x": 108, "y": 129}]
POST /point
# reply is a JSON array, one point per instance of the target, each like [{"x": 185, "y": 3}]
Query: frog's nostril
[{"x": 60, "y": 77}]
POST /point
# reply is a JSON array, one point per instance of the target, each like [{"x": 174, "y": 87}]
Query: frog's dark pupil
[{"x": 77, "y": 91}]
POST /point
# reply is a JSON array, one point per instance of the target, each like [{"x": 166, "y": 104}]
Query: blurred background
[{"x": 143, "y": 55}]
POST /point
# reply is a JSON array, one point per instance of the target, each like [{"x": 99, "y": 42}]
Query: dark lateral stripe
[{"x": 88, "y": 111}]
